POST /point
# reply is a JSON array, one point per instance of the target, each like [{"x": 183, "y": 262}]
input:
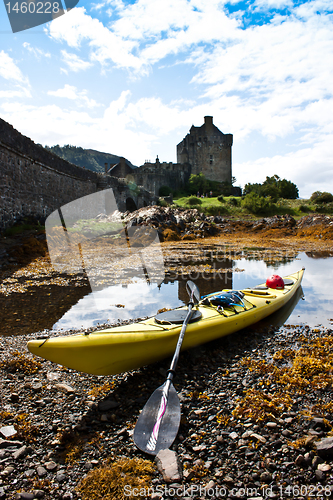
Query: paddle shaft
[{"x": 175, "y": 358}]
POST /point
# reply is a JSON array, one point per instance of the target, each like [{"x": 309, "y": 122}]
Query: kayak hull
[{"x": 119, "y": 349}]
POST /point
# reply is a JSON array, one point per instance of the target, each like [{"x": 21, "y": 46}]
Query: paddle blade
[
  {"x": 193, "y": 291},
  {"x": 152, "y": 434}
]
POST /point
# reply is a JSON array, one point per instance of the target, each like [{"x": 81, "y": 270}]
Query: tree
[
  {"x": 274, "y": 187},
  {"x": 198, "y": 183},
  {"x": 321, "y": 197}
]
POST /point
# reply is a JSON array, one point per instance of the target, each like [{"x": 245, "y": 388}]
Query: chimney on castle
[
  {"x": 208, "y": 124},
  {"x": 106, "y": 167}
]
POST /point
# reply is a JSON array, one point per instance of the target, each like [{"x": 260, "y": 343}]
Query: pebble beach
[{"x": 242, "y": 435}]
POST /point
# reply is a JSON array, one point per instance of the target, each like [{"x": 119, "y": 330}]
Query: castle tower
[{"x": 208, "y": 151}]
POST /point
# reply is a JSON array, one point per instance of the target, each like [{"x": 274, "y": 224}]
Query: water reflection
[
  {"x": 143, "y": 300},
  {"x": 75, "y": 307}
]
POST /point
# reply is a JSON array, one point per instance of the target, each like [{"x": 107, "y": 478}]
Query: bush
[
  {"x": 324, "y": 208},
  {"x": 220, "y": 198},
  {"x": 274, "y": 187},
  {"x": 233, "y": 202},
  {"x": 324, "y": 198},
  {"x": 214, "y": 210},
  {"x": 257, "y": 204},
  {"x": 304, "y": 208},
  {"x": 193, "y": 200}
]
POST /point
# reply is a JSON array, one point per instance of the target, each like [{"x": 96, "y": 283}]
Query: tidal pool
[{"x": 142, "y": 299}]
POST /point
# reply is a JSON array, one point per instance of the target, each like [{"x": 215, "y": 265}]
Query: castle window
[{"x": 211, "y": 159}]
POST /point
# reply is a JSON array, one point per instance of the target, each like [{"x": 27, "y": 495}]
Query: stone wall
[
  {"x": 33, "y": 181},
  {"x": 155, "y": 175}
]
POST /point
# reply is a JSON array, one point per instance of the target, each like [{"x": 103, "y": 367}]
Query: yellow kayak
[{"x": 123, "y": 348}]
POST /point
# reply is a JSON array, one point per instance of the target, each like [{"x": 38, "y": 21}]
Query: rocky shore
[
  {"x": 178, "y": 224},
  {"x": 257, "y": 419}
]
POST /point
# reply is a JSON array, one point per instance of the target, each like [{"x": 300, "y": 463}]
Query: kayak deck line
[{"x": 127, "y": 347}]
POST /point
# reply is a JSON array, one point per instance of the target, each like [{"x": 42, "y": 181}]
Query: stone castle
[
  {"x": 204, "y": 149},
  {"x": 207, "y": 150},
  {"x": 34, "y": 182}
]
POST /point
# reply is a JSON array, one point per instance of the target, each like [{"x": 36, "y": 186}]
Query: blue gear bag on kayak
[{"x": 226, "y": 299}]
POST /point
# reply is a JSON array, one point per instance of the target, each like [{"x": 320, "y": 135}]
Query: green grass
[
  {"x": 212, "y": 206},
  {"x": 93, "y": 227}
]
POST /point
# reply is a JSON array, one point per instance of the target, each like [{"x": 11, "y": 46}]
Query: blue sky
[{"x": 131, "y": 77}]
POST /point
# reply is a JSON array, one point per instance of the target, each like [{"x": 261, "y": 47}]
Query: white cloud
[
  {"x": 12, "y": 73},
  {"x": 113, "y": 131},
  {"x": 146, "y": 32},
  {"x": 74, "y": 62},
  {"x": 38, "y": 53},
  {"x": 104, "y": 45},
  {"x": 9, "y": 70},
  {"x": 273, "y": 4},
  {"x": 310, "y": 168},
  {"x": 273, "y": 78},
  {"x": 9, "y": 94},
  {"x": 71, "y": 92}
]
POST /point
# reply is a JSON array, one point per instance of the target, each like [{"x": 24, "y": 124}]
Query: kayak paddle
[{"x": 158, "y": 423}]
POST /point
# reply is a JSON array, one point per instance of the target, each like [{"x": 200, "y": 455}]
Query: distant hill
[{"x": 88, "y": 158}]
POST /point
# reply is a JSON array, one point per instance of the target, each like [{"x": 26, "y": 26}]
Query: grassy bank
[{"x": 231, "y": 206}]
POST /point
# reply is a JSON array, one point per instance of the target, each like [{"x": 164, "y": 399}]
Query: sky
[{"x": 130, "y": 77}]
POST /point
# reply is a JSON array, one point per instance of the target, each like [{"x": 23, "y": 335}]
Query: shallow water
[{"x": 141, "y": 299}]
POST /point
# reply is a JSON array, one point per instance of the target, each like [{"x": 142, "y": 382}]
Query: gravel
[{"x": 67, "y": 423}]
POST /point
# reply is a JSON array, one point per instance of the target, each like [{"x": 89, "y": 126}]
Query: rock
[
  {"x": 25, "y": 496},
  {"x": 325, "y": 447},
  {"x": 60, "y": 476},
  {"x": 30, "y": 472},
  {"x": 8, "y": 470},
  {"x": 228, "y": 480},
  {"x": 39, "y": 493},
  {"x": 50, "y": 466},
  {"x": 309, "y": 440},
  {"x": 14, "y": 397},
  {"x": 320, "y": 475},
  {"x": 41, "y": 471},
  {"x": 37, "y": 387},
  {"x": 2, "y": 493},
  {"x": 8, "y": 430},
  {"x": 67, "y": 389},
  {"x": 300, "y": 460},
  {"x": 168, "y": 464},
  {"x": 258, "y": 437},
  {"x": 324, "y": 467},
  {"x": 67, "y": 496},
  {"x": 107, "y": 404},
  {"x": 316, "y": 461},
  {"x": 4, "y": 443},
  {"x": 210, "y": 486},
  {"x": 21, "y": 452},
  {"x": 233, "y": 435},
  {"x": 53, "y": 376},
  {"x": 266, "y": 477}
]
